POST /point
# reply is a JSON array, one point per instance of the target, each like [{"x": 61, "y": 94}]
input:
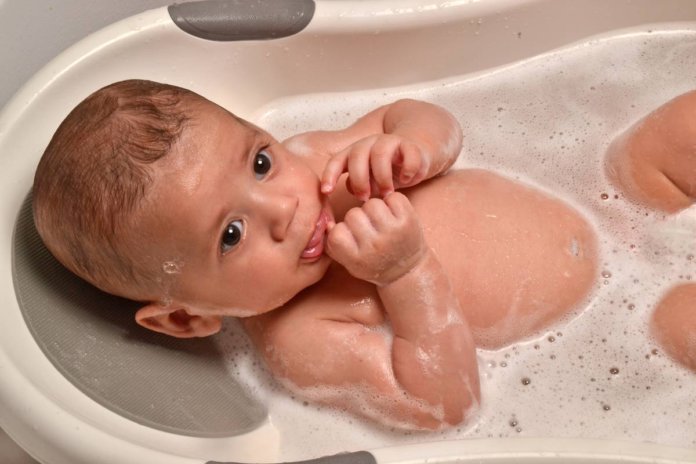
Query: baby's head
[{"x": 151, "y": 192}]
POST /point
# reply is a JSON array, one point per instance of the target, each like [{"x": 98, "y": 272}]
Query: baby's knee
[
  {"x": 654, "y": 161},
  {"x": 673, "y": 324}
]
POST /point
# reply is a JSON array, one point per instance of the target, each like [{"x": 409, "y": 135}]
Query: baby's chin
[
  {"x": 318, "y": 271},
  {"x": 268, "y": 300}
]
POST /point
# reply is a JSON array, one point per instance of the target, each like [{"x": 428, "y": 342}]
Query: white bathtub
[{"x": 346, "y": 46}]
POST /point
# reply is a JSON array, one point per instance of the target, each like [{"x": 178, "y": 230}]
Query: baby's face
[{"x": 237, "y": 221}]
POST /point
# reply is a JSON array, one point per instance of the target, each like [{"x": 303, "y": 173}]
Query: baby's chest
[
  {"x": 513, "y": 253},
  {"x": 478, "y": 217},
  {"x": 341, "y": 297}
]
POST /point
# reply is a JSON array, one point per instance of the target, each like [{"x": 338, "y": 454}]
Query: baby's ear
[{"x": 177, "y": 321}]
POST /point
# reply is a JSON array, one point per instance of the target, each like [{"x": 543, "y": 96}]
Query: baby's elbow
[
  {"x": 444, "y": 421},
  {"x": 462, "y": 411},
  {"x": 452, "y": 412}
]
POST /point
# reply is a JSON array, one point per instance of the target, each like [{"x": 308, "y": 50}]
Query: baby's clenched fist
[{"x": 380, "y": 241}]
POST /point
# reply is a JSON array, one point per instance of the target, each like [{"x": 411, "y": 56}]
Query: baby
[
  {"x": 654, "y": 162},
  {"x": 365, "y": 272}
]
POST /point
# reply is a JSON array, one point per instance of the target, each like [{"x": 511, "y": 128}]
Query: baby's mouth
[{"x": 315, "y": 246}]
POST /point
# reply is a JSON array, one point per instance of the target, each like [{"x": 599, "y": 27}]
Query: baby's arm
[
  {"x": 425, "y": 375},
  {"x": 432, "y": 354},
  {"x": 654, "y": 162},
  {"x": 395, "y": 146}
]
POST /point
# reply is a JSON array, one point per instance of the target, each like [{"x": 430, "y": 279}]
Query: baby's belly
[{"x": 518, "y": 258}]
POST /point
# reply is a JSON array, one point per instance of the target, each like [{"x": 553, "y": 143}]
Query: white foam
[
  {"x": 548, "y": 122},
  {"x": 172, "y": 267}
]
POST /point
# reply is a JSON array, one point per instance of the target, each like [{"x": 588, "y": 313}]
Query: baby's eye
[
  {"x": 262, "y": 164},
  {"x": 231, "y": 236}
]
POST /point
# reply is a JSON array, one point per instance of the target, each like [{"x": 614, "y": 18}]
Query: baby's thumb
[{"x": 336, "y": 241}]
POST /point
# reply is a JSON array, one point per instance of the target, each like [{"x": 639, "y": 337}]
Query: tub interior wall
[{"x": 39, "y": 30}]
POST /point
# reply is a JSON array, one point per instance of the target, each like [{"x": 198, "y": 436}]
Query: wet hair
[{"x": 95, "y": 174}]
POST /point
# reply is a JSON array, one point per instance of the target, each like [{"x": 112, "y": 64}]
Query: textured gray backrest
[
  {"x": 179, "y": 386},
  {"x": 229, "y": 20}
]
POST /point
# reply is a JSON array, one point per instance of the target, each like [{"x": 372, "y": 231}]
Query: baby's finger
[
  {"x": 399, "y": 205},
  {"x": 333, "y": 170},
  {"x": 359, "y": 171},
  {"x": 360, "y": 226},
  {"x": 378, "y": 213},
  {"x": 373, "y": 186},
  {"x": 340, "y": 243},
  {"x": 412, "y": 164},
  {"x": 384, "y": 154}
]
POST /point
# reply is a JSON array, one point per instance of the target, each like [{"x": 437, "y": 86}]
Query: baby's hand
[
  {"x": 376, "y": 166},
  {"x": 380, "y": 241}
]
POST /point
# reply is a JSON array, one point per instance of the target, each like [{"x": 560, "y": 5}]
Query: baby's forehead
[
  {"x": 204, "y": 108},
  {"x": 209, "y": 137}
]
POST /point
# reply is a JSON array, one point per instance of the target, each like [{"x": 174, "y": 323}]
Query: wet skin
[
  {"x": 456, "y": 261},
  {"x": 654, "y": 163},
  {"x": 673, "y": 324}
]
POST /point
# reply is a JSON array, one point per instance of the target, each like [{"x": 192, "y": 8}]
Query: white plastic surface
[
  {"x": 349, "y": 45},
  {"x": 534, "y": 451},
  {"x": 35, "y": 31}
]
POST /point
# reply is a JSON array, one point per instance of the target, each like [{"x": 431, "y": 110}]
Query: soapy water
[{"x": 546, "y": 122}]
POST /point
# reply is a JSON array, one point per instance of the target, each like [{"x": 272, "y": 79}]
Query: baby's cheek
[{"x": 673, "y": 324}]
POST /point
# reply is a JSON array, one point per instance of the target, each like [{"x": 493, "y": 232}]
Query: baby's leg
[
  {"x": 673, "y": 324},
  {"x": 654, "y": 161}
]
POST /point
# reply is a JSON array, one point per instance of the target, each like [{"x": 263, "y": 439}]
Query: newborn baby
[
  {"x": 365, "y": 272},
  {"x": 654, "y": 162}
]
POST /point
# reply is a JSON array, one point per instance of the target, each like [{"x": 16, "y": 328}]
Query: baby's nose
[{"x": 281, "y": 212}]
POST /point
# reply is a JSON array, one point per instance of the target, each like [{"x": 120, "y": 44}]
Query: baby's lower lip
[{"x": 315, "y": 247}]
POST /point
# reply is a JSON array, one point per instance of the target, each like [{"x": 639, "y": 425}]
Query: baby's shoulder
[
  {"x": 333, "y": 311},
  {"x": 337, "y": 297},
  {"x": 341, "y": 297}
]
